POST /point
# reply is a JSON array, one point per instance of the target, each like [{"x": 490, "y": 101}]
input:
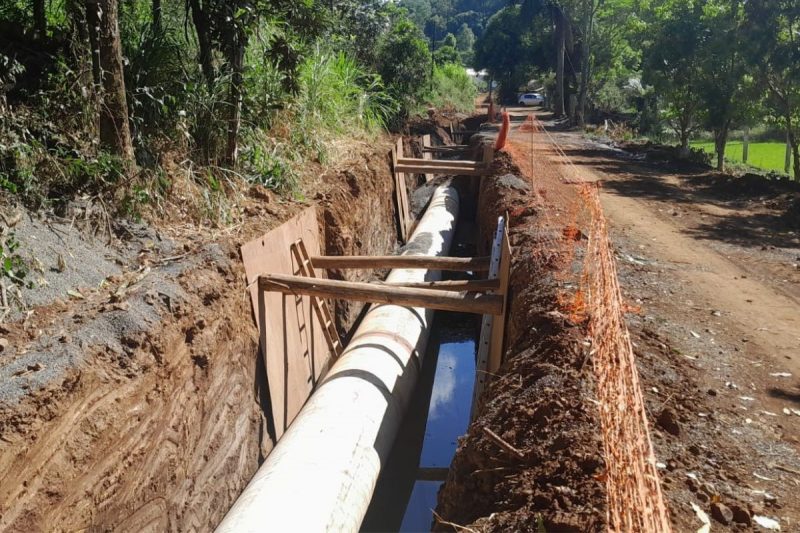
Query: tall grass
[
  {"x": 337, "y": 96},
  {"x": 336, "y": 99},
  {"x": 452, "y": 89}
]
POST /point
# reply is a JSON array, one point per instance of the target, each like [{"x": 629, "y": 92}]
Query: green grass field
[{"x": 766, "y": 155}]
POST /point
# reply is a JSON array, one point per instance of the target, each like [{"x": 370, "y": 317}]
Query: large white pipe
[{"x": 322, "y": 473}]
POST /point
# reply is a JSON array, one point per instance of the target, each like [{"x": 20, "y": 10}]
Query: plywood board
[
  {"x": 292, "y": 341},
  {"x": 482, "y": 361}
]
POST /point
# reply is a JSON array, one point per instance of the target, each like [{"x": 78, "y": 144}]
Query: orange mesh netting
[{"x": 576, "y": 236}]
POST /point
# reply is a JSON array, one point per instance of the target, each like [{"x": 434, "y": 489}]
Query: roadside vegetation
[
  {"x": 763, "y": 155},
  {"x": 670, "y": 70},
  {"x": 130, "y": 104}
]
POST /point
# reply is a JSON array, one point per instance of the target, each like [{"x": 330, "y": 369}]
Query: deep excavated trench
[
  {"x": 193, "y": 403},
  {"x": 163, "y": 432}
]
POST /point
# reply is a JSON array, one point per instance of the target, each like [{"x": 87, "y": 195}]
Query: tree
[
  {"x": 39, "y": 19},
  {"x": 773, "y": 50},
  {"x": 726, "y": 88},
  {"x": 404, "y": 62},
  {"x": 360, "y": 24},
  {"x": 513, "y": 46},
  {"x": 446, "y": 52},
  {"x": 465, "y": 41},
  {"x": 115, "y": 134},
  {"x": 672, "y": 64}
]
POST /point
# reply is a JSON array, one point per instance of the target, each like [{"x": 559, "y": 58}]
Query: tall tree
[
  {"x": 39, "y": 19},
  {"x": 115, "y": 134},
  {"x": 773, "y": 48},
  {"x": 672, "y": 64}
]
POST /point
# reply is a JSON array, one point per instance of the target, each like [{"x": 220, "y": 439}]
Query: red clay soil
[
  {"x": 541, "y": 401},
  {"x": 162, "y": 423},
  {"x": 708, "y": 267}
]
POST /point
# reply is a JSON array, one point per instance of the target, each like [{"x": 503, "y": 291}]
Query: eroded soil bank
[
  {"x": 139, "y": 403},
  {"x": 540, "y": 401}
]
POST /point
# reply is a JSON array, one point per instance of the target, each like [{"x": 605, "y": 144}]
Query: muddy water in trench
[{"x": 439, "y": 413}]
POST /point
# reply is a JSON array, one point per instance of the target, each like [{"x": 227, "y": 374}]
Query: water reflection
[{"x": 438, "y": 415}]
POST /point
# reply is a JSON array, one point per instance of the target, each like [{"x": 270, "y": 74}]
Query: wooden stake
[
  {"x": 460, "y": 264},
  {"x": 477, "y": 303}
]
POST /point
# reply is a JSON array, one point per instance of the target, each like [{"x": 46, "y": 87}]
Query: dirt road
[{"x": 713, "y": 269}]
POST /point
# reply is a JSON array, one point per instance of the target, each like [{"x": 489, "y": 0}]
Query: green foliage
[
  {"x": 404, "y": 63},
  {"x": 439, "y": 17},
  {"x": 513, "y": 48},
  {"x": 12, "y": 265},
  {"x": 465, "y": 42},
  {"x": 452, "y": 88}
]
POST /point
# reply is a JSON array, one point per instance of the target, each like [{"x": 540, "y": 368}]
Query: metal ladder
[{"x": 320, "y": 306}]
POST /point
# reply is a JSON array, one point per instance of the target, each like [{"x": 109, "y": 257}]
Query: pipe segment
[{"x": 323, "y": 471}]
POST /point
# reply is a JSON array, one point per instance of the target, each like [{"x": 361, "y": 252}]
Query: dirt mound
[{"x": 547, "y": 466}]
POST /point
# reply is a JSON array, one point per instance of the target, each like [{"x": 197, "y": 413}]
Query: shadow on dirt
[
  {"x": 754, "y": 212},
  {"x": 792, "y": 396}
]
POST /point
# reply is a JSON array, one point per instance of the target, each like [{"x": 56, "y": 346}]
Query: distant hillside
[{"x": 440, "y": 17}]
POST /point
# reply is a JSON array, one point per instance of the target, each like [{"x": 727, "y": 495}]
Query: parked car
[{"x": 530, "y": 99}]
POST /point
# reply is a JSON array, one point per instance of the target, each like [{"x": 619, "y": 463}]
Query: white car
[{"x": 530, "y": 99}]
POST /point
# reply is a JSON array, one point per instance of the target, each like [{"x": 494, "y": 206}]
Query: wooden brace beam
[
  {"x": 440, "y": 300},
  {"x": 460, "y": 264}
]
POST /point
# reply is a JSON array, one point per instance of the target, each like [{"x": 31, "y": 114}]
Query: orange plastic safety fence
[{"x": 576, "y": 236}]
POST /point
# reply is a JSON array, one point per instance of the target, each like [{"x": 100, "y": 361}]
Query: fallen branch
[
  {"x": 455, "y": 526},
  {"x": 503, "y": 444}
]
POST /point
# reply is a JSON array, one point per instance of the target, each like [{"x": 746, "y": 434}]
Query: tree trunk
[
  {"x": 115, "y": 134},
  {"x": 39, "y": 19},
  {"x": 746, "y": 145},
  {"x": 561, "y": 42},
  {"x": 156, "y": 11},
  {"x": 236, "y": 50},
  {"x": 201, "y": 26},
  {"x": 684, "y": 149},
  {"x": 787, "y": 163},
  {"x": 586, "y": 57},
  {"x": 93, "y": 25},
  {"x": 720, "y": 141},
  {"x": 794, "y": 142}
]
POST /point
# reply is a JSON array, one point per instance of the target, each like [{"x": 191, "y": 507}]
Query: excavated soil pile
[{"x": 547, "y": 466}]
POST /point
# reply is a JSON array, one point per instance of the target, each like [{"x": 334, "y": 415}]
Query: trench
[{"x": 406, "y": 493}]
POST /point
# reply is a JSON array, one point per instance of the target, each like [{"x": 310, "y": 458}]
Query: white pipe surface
[{"x": 322, "y": 473}]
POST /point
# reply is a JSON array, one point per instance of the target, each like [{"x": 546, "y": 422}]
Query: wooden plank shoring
[
  {"x": 459, "y": 264},
  {"x": 448, "y": 148},
  {"x": 440, "y": 300},
  {"x": 497, "y": 344},
  {"x": 476, "y": 285},
  {"x": 426, "y": 142},
  {"x": 401, "y": 194},
  {"x": 439, "y": 162},
  {"x": 457, "y": 171}
]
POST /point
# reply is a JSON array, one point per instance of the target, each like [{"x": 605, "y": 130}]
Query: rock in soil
[
  {"x": 721, "y": 513},
  {"x": 668, "y": 420},
  {"x": 741, "y": 515}
]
